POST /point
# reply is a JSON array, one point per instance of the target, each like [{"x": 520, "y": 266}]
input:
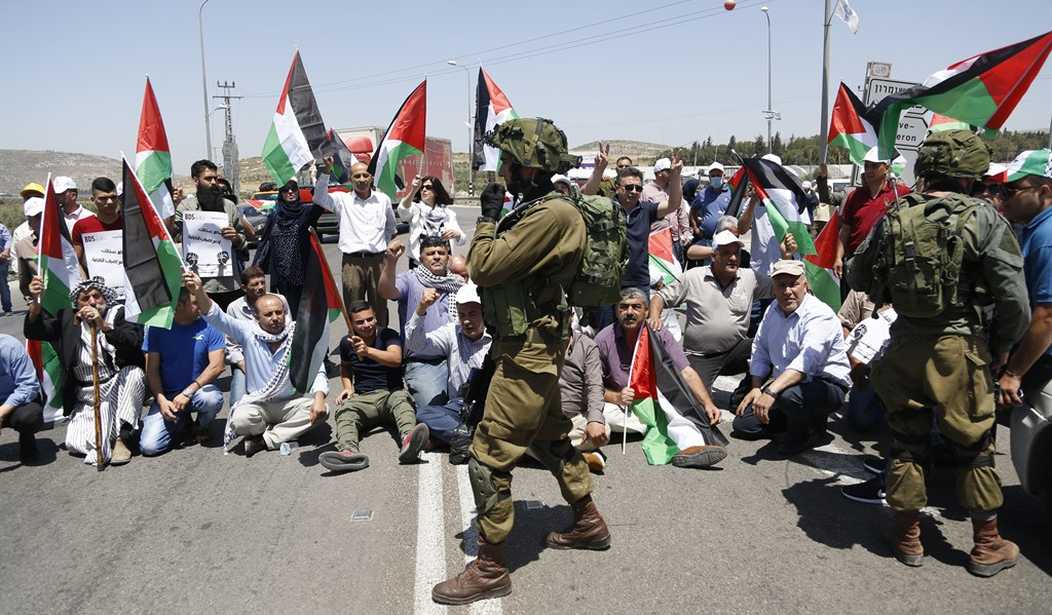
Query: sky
[{"x": 652, "y": 70}]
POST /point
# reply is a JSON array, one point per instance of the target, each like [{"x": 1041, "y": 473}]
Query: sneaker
[
  {"x": 874, "y": 464},
  {"x": 699, "y": 456},
  {"x": 253, "y": 445},
  {"x": 413, "y": 442},
  {"x": 347, "y": 460},
  {"x": 869, "y": 492},
  {"x": 595, "y": 460},
  {"x": 121, "y": 454}
]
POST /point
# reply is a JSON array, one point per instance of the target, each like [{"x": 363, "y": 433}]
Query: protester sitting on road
[
  {"x": 464, "y": 344},
  {"x": 426, "y": 371},
  {"x": 719, "y": 302},
  {"x": 702, "y": 249},
  {"x": 182, "y": 364},
  {"x": 284, "y": 242},
  {"x": 799, "y": 367},
  {"x": 254, "y": 285},
  {"x": 581, "y": 394},
  {"x": 371, "y": 373},
  {"x": 426, "y": 206},
  {"x": 617, "y": 344},
  {"x": 271, "y": 412},
  {"x": 26, "y": 247},
  {"x": 20, "y": 407},
  {"x": 209, "y": 196},
  {"x": 117, "y": 359},
  {"x": 865, "y": 412},
  {"x": 108, "y": 217}
]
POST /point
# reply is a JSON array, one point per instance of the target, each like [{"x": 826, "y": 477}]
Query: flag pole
[
  {"x": 823, "y": 140},
  {"x": 97, "y": 406}
]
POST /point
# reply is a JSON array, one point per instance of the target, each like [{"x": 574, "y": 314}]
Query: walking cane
[{"x": 97, "y": 407}]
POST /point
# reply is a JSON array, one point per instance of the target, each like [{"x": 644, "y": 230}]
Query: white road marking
[
  {"x": 430, "y": 535},
  {"x": 467, "y": 518}
]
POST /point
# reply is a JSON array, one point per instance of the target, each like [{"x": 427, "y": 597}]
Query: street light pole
[
  {"x": 823, "y": 129},
  {"x": 769, "y": 113},
  {"x": 471, "y": 130},
  {"x": 204, "y": 80}
]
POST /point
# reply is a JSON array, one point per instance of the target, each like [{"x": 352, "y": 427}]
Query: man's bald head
[
  {"x": 270, "y": 313},
  {"x": 362, "y": 179}
]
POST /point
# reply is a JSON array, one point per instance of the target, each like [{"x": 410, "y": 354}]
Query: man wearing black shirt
[{"x": 373, "y": 394}]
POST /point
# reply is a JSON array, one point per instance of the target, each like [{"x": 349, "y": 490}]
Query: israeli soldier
[
  {"x": 522, "y": 266},
  {"x": 943, "y": 259}
]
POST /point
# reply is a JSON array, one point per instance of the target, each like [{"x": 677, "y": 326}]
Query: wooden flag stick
[{"x": 99, "y": 457}]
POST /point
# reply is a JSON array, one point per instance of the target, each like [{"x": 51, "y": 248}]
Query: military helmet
[
  {"x": 952, "y": 153},
  {"x": 533, "y": 142}
]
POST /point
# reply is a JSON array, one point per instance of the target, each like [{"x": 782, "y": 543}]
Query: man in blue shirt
[
  {"x": 181, "y": 365},
  {"x": 1028, "y": 202},
  {"x": 20, "y": 407},
  {"x": 706, "y": 208}
]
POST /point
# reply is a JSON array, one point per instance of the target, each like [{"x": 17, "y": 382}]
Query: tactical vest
[{"x": 920, "y": 259}]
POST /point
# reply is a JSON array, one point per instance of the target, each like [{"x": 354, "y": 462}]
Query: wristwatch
[{"x": 766, "y": 390}]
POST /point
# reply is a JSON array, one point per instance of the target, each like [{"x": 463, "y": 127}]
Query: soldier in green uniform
[
  {"x": 943, "y": 259},
  {"x": 522, "y": 265}
]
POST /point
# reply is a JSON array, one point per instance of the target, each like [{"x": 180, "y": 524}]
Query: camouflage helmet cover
[
  {"x": 533, "y": 142},
  {"x": 952, "y": 153}
]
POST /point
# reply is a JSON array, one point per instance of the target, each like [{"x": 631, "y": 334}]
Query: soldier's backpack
[
  {"x": 921, "y": 254},
  {"x": 598, "y": 279}
]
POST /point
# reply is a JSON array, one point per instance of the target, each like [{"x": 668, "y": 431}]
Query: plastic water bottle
[{"x": 287, "y": 447}]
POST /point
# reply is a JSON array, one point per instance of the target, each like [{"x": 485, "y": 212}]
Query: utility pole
[
  {"x": 231, "y": 164},
  {"x": 823, "y": 128},
  {"x": 204, "y": 80}
]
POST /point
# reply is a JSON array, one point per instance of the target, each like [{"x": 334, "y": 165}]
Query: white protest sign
[
  {"x": 870, "y": 338},
  {"x": 204, "y": 249},
  {"x": 104, "y": 257}
]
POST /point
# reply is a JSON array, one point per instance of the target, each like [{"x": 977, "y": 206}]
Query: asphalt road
[{"x": 198, "y": 531}]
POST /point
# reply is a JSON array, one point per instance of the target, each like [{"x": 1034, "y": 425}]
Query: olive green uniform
[
  {"x": 522, "y": 267},
  {"x": 937, "y": 371}
]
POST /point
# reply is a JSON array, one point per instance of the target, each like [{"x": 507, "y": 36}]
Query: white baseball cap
[
  {"x": 874, "y": 156},
  {"x": 662, "y": 164},
  {"x": 63, "y": 183},
  {"x": 33, "y": 206},
  {"x": 806, "y": 184},
  {"x": 726, "y": 238},
  {"x": 560, "y": 178},
  {"x": 468, "y": 293},
  {"x": 715, "y": 166}
]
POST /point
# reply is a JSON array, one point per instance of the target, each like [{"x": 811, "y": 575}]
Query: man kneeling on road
[
  {"x": 463, "y": 345},
  {"x": 272, "y": 411},
  {"x": 373, "y": 393},
  {"x": 181, "y": 365},
  {"x": 616, "y": 345},
  {"x": 581, "y": 394},
  {"x": 118, "y": 357},
  {"x": 799, "y": 367}
]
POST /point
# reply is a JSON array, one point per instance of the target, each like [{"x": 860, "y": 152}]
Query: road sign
[
  {"x": 912, "y": 130},
  {"x": 878, "y": 70},
  {"x": 877, "y": 89}
]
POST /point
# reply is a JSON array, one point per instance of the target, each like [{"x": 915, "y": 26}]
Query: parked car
[
  {"x": 328, "y": 224},
  {"x": 1032, "y": 446}
]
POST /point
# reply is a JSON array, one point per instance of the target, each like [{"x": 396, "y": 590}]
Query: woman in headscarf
[
  {"x": 426, "y": 208},
  {"x": 283, "y": 244}
]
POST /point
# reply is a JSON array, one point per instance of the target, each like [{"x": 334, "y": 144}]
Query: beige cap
[
  {"x": 823, "y": 213},
  {"x": 726, "y": 238},
  {"x": 793, "y": 268}
]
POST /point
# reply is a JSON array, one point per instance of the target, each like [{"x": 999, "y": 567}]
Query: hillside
[
  {"x": 624, "y": 147},
  {"x": 19, "y": 167}
]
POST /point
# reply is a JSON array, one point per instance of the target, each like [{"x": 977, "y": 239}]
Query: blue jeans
[
  {"x": 426, "y": 383},
  {"x": 158, "y": 432},
  {"x": 864, "y": 409},
  {"x": 5, "y": 288},
  {"x": 237, "y": 384},
  {"x": 441, "y": 420}
]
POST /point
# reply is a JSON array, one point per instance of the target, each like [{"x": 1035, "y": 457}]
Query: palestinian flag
[
  {"x": 982, "y": 90},
  {"x": 491, "y": 108},
  {"x": 663, "y": 262},
  {"x": 342, "y": 157},
  {"x": 942, "y": 123},
  {"x": 781, "y": 195},
  {"x": 151, "y": 262},
  {"x": 404, "y": 137},
  {"x": 319, "y": 305},
  {"x": 848, "y": 128},
  {"x": 153, "y": 160},
  {"x": 297, "y": 135},
  {"x": 660, "y": 396},
  {"x": 825, "y": 250},
  {"x": 59, "y": 271}
]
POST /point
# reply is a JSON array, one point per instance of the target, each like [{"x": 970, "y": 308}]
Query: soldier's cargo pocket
[{"x": 980, "y": 383}]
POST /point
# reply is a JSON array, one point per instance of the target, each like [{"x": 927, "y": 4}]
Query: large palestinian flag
[
  {"x": 982, "y": 90},
  {"x": 60, "y": 272},
  {"x": 153, "y": 160},
  {"x": 297, "y": 135},
  {"x": 781, "y": 194},
  {"x": 491, "y": 108},
  {"x": 319, "y": 305},
  {"x": 662, "y": 403},
  {"x": 848, "y": 128},
  {"x": 663, "y": 261},
  {"x": 151, "y": 262},
  {"x": 826, "y": 248},
  {"x": 404, "y": 137}
]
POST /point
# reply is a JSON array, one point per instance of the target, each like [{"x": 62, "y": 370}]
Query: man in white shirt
[
  {"x": 66, "y": 193},
  {"x": 799, "y": 367},
  {"x": 367, "y": 223},
  {"x": 464, "y": 344}
]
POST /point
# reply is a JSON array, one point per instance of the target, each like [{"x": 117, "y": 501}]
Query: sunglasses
[
  {"x": 1008, "y": 192},
  {"x": 632, "y": 188},
  {"x": 427, "y": 187},
  {"x": 623, "y": 166}
]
